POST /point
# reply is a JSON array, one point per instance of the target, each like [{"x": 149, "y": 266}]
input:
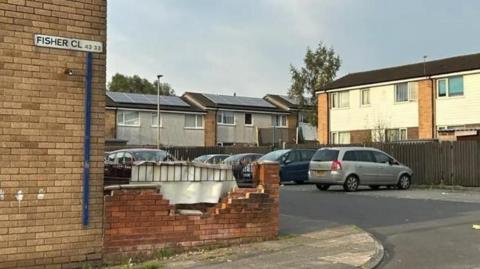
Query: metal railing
[{"x": 151, "y": 172}]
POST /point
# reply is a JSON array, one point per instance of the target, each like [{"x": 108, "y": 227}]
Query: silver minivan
[{"x": 354, "y": 166}]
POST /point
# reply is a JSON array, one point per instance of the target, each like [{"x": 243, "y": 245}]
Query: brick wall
[
  {"x": 412, "y": 133},
  {"x": 425, "y": 109},
  {"x": 210, "y": 129},
  {"x": 110, "y": 123},
  {"x": 323, "y": 118},
  {"x": 360, "y": 136},
  {"x": 41, "y": 134},
  {"x": 140, "y": 221}
]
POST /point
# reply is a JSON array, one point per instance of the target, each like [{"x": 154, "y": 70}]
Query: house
[
  {"x": 298, "y": 114},
  {"x": 432, "y": 100},
  {"x": 133, "y": 117},
  {"x": 238, "y": 120}
]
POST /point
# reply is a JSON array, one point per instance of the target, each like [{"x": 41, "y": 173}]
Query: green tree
[
  {"x": 136, "y": 84},
  {"x": 320, "y": 68}
]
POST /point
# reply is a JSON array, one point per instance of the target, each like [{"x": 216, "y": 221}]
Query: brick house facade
[{"x": 42, "y": 134}]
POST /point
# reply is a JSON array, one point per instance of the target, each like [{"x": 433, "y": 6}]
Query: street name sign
[{"x": 67, "y": 43}]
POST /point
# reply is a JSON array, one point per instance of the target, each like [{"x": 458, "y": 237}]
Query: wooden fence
[{"x": 433, "y": 163}]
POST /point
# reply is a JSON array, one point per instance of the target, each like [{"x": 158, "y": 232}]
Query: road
[{"x": 418, "y": 228}]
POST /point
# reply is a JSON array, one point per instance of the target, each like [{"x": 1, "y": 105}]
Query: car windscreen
[
  {"x": 325, "y": 155},
  {"x": 232, "y": 159},
  {"x": 273, "y": 156},
  {"x": 201, "y": 158},
  {"x": 150, "y": 155}
]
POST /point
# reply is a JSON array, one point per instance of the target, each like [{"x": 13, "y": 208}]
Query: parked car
[
  {"x": 118, "y": 164},
  {"x": 242, "y": 165},
  {"x": 293, "y": 163},
  {"x": 211, "y": 158},
  {"x": 354, "y": 166}
]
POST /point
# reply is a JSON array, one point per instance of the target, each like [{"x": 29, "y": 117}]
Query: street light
[{"x": 158, "y": 110}]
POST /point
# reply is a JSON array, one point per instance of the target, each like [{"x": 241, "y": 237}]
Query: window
[
  {"x": 128, "y": 118},
  {"x": 279, "y": 120},
  {"x": 365, "y": 97},
  {"x": 396, "y": 134},
  {"x": 302, "y": 117},
  {"x": 306, "y": 155},
  {"x": 226, "y": 117},
  {"x": 325, "y": 155},
  {"x": 155, "y": 120},
  {"x": 340, "y": 99},
  {"x": 452, "y": 86},
  {"x": 248, "y": 119},
  {"x": 340, "y": 138},
  {"x": 193, "y": 121},
  {"x": 405, "y": 92},
  {"x": 381, "y": 158},
  {"x": 293, "y": 156},
  {"x": 350, "y": 156},
  {"x": 364, "y": 156},
  {"x": 111, "y": 157}
]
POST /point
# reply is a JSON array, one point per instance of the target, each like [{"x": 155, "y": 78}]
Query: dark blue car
[{"x": 293, "y": 163}]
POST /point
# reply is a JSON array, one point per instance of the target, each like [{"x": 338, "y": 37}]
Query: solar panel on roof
[
  {"x": 238, "y": 100},
  {"x": 146, "y": 99},
  {"x": 119, "y": 97}
]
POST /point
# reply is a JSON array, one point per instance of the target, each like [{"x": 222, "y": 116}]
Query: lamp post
[{"x": 158, "y": 110}]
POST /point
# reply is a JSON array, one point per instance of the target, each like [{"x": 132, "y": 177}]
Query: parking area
[{"x": 419, "y": 228}]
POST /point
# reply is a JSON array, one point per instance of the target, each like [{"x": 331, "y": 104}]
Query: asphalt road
[{"x": 418, "y": 228}]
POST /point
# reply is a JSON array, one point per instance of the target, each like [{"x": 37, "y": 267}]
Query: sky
[{"x": 247, "y": 46}]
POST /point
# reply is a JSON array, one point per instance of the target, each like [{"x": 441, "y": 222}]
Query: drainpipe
[{"x": 86, "y": 142}]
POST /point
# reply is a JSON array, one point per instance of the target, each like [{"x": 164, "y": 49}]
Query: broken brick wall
[{"x": 140, "y": 221}]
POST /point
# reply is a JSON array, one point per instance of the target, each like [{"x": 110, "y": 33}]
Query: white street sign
[{"x": 68, "y": 43}]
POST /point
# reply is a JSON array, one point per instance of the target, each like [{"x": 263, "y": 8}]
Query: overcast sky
[{"x": 246, "y": 46}]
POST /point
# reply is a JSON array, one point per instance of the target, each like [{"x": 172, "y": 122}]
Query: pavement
[{"x": 341, "y": 247}]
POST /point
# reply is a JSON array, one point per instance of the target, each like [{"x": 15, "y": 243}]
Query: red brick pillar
[
  {"x": 425, "y": 109},
  {"x": 323, "y": 115},
  {"x": 268, "y": 177}
]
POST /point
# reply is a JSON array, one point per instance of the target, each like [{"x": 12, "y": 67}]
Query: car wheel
[
  {"x": 351, "y": 183},
  {"x": 299, "y": 181},
  {"x": 404, "y": 182},
  {"x": 322, "y": 187},
  {"x": 374, "y": 187}
]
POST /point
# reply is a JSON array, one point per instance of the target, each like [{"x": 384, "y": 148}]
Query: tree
[
  {"x": 136, "y": 84},
  {"x": 320, "y": 68}
]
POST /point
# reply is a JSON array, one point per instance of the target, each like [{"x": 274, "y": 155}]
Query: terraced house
[
  {"x": 133, "y": 117},
  {"x": 239, "y": 120},
  {"x": 432, "y": 100}
]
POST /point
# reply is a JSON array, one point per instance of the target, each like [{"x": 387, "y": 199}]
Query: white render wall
[
  {"x": 460, "y": 110},
  {"x": 382, "y": 111}
]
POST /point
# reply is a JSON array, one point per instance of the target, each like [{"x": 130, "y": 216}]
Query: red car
[{"x": 118, "y": 164}]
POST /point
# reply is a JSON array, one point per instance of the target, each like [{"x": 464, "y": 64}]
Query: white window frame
[
  {"x": 154, "y": 122},
  {"x": 198, "y": 120},
  {"x": 400, "y": 131},
  {"x": 340, "y": 100},
  {"x": 447, "y": 92},
  {"x": 362, "y": 91},
  {"x": 223, "y": 118},
  {"x": 412, "y": 92},
  {"x": 251, "y": 118},
  {"x": 122, "y": 122},
  {"x": 277, "y": 121},
  {"x": 336, "y": 137}
]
